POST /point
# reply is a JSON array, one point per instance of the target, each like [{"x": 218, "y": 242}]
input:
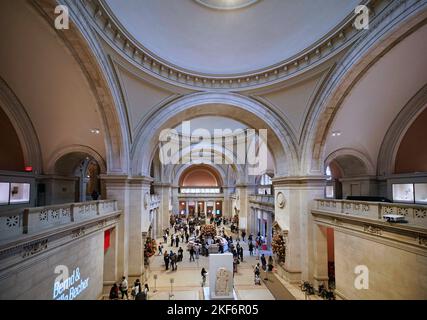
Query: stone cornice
[
  {"x": 124, "y": 179},
  {"x": 401, "y": 236},
  {"x": 14, "y": 253},
  {"x": 300, "y": 181},
  {"x": 108, "y": 26}
]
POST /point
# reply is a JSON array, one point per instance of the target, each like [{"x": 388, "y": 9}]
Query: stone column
[
  {"x": 164, "y": 192},
  {"x": 293, "y": 201},
  {"x": 139, "y": 195},
  {"x": 227, "y": 210},
  {"x": 243, "y": 207}
]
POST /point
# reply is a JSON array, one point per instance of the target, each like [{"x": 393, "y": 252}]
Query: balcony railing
[
  {"x": 262, "y": 199},
  {"x": 414, "y": 214},
  {"x": 34, "y": 220}
]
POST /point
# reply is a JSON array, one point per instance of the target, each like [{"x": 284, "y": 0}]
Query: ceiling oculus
[{"x": 226, "y": 4}]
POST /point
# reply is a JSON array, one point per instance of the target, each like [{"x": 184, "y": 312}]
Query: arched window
[
  {"x": 265, "y": 185},
  {"x": 328, "y": 173}
]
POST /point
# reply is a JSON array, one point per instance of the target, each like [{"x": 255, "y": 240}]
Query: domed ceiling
[{"x": 228, "y": 37}]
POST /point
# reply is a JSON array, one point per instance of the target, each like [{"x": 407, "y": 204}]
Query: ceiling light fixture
[
  {"x": 95, "y": 131},
  {"x": 336, "y": 133}
]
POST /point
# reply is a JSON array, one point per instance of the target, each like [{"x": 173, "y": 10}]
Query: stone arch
[
  {"x": 86, "y": 48},
  {"x": 76, "y": 149},
  {"x": 212, "y": 171},
  {"x": 227, "y": 104},
  {"x": 391, "y": 142},
  {"x": 383, "y": 35},
  {"x": 23, "y": 126},
  {"x": 351, "y": 162}
]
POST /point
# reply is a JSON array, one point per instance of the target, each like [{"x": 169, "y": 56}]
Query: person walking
[
  {"x": 160, "y": 250},
  {"x": 241, "y": 253},
  {"x": 174, "y": 261},
  {"x": 172, "y": 239},
  {"x": 263, "y": 262},
  {"x": 243, "y": 235},
  {"x": 180, "y": 254},
  {"x": 124, "y": 288},
  {"x": 203, "y": 274},
  {"x": 166, "y": 259},
  {"x": 192, "y": 254},
  {"x": 257, "y": 279},
  {"x": 165, "y": 238},
  {"x": 146, "y": 289},
  {"x": 177, "y": 241},
  {"x": 270, "y": 263},
  {"x": 136, "y": 288},
  {"x": 251, "y": 248},
  {"x": 114, "y": 292}
]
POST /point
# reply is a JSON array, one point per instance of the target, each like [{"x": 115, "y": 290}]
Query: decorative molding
[
  {"x": 78, "y": 233},
  {"x": 372, "y": 230},
  {"x": 108, "y": 26},
  {"x": 34, "y": 248},
  {"x": 281, "y": 200},
  {"x": 422, "y": 241}
]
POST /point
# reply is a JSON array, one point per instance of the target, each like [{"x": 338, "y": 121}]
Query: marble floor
[{"x": 187, "y": 280}]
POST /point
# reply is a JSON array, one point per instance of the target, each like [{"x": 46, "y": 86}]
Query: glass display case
[
  {"x": 403, "y": 192},
  {"x": 4, "y": 193},
  {"x": 19, "y": 193},
  {"x": 421, "y": 193}
]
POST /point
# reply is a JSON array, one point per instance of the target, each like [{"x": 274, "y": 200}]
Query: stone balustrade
[
  {"x": 415, "y": 214},
  {"x": 262, "y": 199},
  {"x": 34, "y": 220}
]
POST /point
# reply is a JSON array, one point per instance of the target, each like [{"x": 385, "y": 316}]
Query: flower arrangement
[
  {"x": 279, "y": 247},
  {"x": 150, "y": 247},
  {"x": 208, "y": 230},
  {"x": 236, "y": 219}
]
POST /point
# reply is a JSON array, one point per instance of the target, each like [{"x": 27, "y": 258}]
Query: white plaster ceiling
[
  {"x": 221, "y": 42},
  {"x": 47, "y": 80},
  {"x": 377, "y": 98}
]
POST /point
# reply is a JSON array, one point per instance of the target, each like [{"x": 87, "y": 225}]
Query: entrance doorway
[{"x": 218, "y": 209}]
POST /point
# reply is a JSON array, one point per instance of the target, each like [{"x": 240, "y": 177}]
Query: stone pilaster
[
  {"x": 320, "y": 255},
  {"x": 164, "y": 191},
  {"x": 242, "y": 202},
  {"x": 133, "y": 198},
  {"x": 293, "y": 201}
]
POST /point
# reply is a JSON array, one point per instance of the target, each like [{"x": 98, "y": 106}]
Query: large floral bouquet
[
  {"x": 279, "y": 247},
  {"x": 208, "y": 230},
  {"x": 150, "y": 247}
]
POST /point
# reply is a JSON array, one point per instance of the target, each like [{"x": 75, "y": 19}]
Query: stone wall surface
[
  {"x": 35, "y": 279},
  {"x": 394, "y": 273}
]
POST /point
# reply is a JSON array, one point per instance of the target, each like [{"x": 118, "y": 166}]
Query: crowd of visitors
[{"x": 185, "y": 232}]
